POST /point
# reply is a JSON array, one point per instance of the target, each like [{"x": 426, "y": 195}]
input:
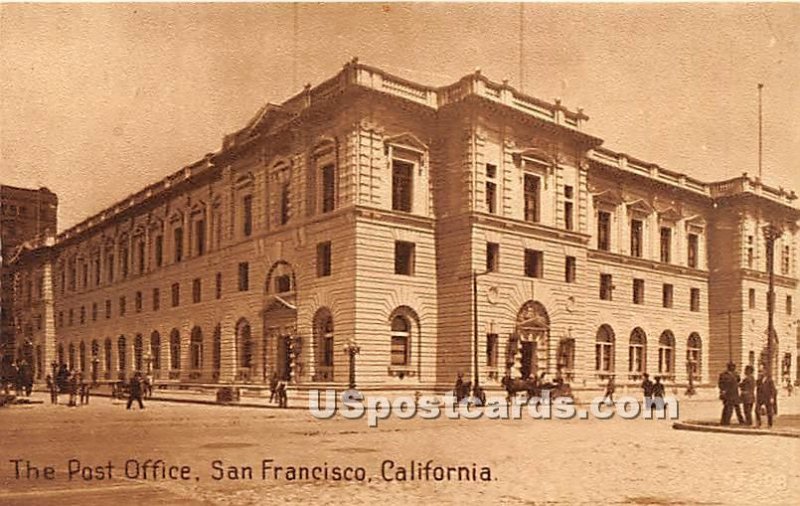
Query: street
[{"x": 229, "y": 455}]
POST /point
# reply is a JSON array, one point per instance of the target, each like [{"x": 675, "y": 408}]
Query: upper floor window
[
  {"x": 694, "y": 299},
  {"x": 534, "y": 263},
  {"x": 666, "y": 295},
  {"x": 324, "y": 259},
  {"x": 491, "y": 188},
  {"x": 785, "y": 260},
  {"x": 110, "y": 267},
  {"x": 138, "y": 302},
  {"x": 605, "y": 287},
  {"x": 159, "y": 250},
  {"x": 197, "y": 290},
  {"x": 638, "y": 291},
  {"x": 637, "y": 234},
  {"x": 218, "y": 286},
  {"x": 177, "y": 243},
  {"x": 124, "y": 260},
  {"x": 532, "y": 198},
  {"x": 666, "y": 244},
  {"x": 692, "y": 253},
  {"x": 570, "y": 269},
  {"x": 140, "y": 256},
  {"x": 401, "y": 340},
  {"x": 750, "y": 254},
  {"x": 285, "y": 207},
  {"x": 404, "y": 258},
  {"x": 328, "y": 188},
  {"x": 402, "y": 185},
  {"x": 247, "y": 215},
  {"x": 788, "y": 304},
  {"x": 751, "y": 298},
  {"x": 569, "y": 221},
  {"x": 176, "y": 294},
  {"x": 200, "y": 237},
  {"x": 244, "y": 276},
  {"x": 492, "y": 257},
  {"x": 604, "y": 230}
]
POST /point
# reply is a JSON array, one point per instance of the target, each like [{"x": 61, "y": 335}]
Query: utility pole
[
  {"x": 760, "y": 142},
  {"x": 771, "y": 234}
]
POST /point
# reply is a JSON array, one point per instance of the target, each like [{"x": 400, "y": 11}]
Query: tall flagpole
[
  {"x": 521, "y": 48},
  {"x": 760, "y": 130}
]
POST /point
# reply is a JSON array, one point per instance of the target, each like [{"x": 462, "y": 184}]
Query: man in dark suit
[
  {"x": 748, "y": 393},
  {"x": 729, "y": 395},
  {"x": 766, "y": 394}
]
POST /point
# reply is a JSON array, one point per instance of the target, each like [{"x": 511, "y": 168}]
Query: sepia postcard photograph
[{"x": 400, "y": 253}]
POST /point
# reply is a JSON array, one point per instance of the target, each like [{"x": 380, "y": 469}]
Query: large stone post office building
[{"x": 357, "y": 212}]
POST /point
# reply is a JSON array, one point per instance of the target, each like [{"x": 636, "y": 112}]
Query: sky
[{"x": 99, "y": 100}]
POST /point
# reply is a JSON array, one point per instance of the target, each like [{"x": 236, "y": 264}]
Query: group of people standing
[
  {"x": 650, "y": 389},
  {"x": 69, "y": 382},
  {"x": 748, "y": 393},
  {"x": 18, "y": 375}
]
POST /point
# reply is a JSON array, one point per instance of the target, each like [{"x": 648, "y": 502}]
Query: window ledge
[{"x": 401, "y": 371}]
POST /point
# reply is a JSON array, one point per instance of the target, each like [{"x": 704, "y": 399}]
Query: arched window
[
  {"x": 694, "y": 348},
  {"x": 82, "y": 356},
  {"x": 175, "y": 350},
  {"x": 138, "y": 353},
  {"x": 604, "y": 350},
  {"x": 71, "y": 363},
  {"x": 155, "y": 350},
  {"x": 244, "y": 344},
  {"x": 401, "y": 340},
  {"x": 666, "y": 353},
  {"x": 323, "y": 337},
  {"x": 637, "y": 352},
  {"x": 196, "y": 349},
  {"x": 216, "y": 357},
  {"x": 109, "y": 349},
  {"x": 122, "y": 353}
]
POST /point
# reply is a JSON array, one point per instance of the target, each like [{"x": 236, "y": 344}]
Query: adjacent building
[
  {"x": 25, "y": 214},
  {"x": 358, "y": 213}
]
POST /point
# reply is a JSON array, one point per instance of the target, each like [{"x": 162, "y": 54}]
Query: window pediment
[
  {"x": 407, "y": 141},
  {"x": 669, "y": 214},
  {"x": 639, "y": 206},
  {"x": 608, "y": 197}
]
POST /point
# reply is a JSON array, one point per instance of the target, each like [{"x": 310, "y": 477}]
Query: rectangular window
[
  {"x": 197, "y": 290},
  {"x": 122, "y": 306},
  {"x": 140, "y": 256},
  {"x": 84, "y": 276},
  {"x": 247, "y": 215},
  {"x": 491, "y": 197},
  {"x": 605, "y": 287},
  {"x": 492, "y": 257},
  {"x": 159, "y": 250},
  {"x": 666, "y": 295},
  {"x": 694, "y": 299},
  {"x": 61, "y": 318},
  {"x": 531, "y": 189},
  {"x": 200, "y": 237},
  {"x": 604, "y": 230},
  {"x": 177, "y": 236},
  {"x": 108, "y": 308},
  {"x": 404, "y": 258},
  {"x": 666, "y": 244},
  {"x": 638, "y": 291},
  {"x": 751, "y": 298},
  {"x": 693, "y": 245},
  {"x": 138, "y": 302},
  {"x": 402, "y": 185},
  {"x": 176, "y": 294},
  {"x": 637, "y": 232},
  {"x": 218, "y": 286},
  {"x": 284, "y": 203},
  {"x": 534, "y": 263},
  {"x": 94, "y": 311},
  {"x": 244, "y": 276},
  {"x": 97, "y": 271},
  {"x": 110, "y": 262},
  {"x": 83, "y": 315},
  {"x": 124, "y": 262},
  {"x": 324, "y": 259},
  {"x": 328, "y": 188},
  {"x": 568, "y": 212},
  {"x": 491, "y": 350},
  {"x": 156, "y": 299},
  {"x": 788, "y": 304},
  {"x": 570, "y": 270}
]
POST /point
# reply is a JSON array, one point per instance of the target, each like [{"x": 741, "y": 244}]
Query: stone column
[{"x": 228, "y": 358}]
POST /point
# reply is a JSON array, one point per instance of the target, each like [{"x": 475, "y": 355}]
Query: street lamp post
[
  {"x": 477, "y": 391},
  {"x": 352, "y": 349},
  {"x": 771, "y": 234}
]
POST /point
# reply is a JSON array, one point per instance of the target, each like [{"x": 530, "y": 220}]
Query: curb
[
  {"x": 205, "y": 402},
  {"x": 703, "y": 427}
]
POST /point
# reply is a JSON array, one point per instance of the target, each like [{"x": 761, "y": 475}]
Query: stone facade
[{"x": 359, "y": 213}]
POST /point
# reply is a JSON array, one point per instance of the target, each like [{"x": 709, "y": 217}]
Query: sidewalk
[{"x": 786, "y": 423}]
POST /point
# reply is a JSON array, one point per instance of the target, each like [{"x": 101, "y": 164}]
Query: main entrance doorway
[{"x": 533, "y": 332}]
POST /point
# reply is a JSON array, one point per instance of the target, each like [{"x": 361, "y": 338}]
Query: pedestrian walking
[
  {"x": 135, "y": 391},
  {"x": 273, "y": 386},
  {"x": 148, "y": 385},
  {"x": 765, "y": 398},
  {"x": 610, "y": 388},
  {"x": 51, "y": 387},
  {"x": 729, "y": 395},
  {"x": 283, "y": 400},
  {"x": 747, "y": 393}
]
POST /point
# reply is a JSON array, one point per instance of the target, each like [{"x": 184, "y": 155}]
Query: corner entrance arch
[{"x": 533, "y": 335}]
